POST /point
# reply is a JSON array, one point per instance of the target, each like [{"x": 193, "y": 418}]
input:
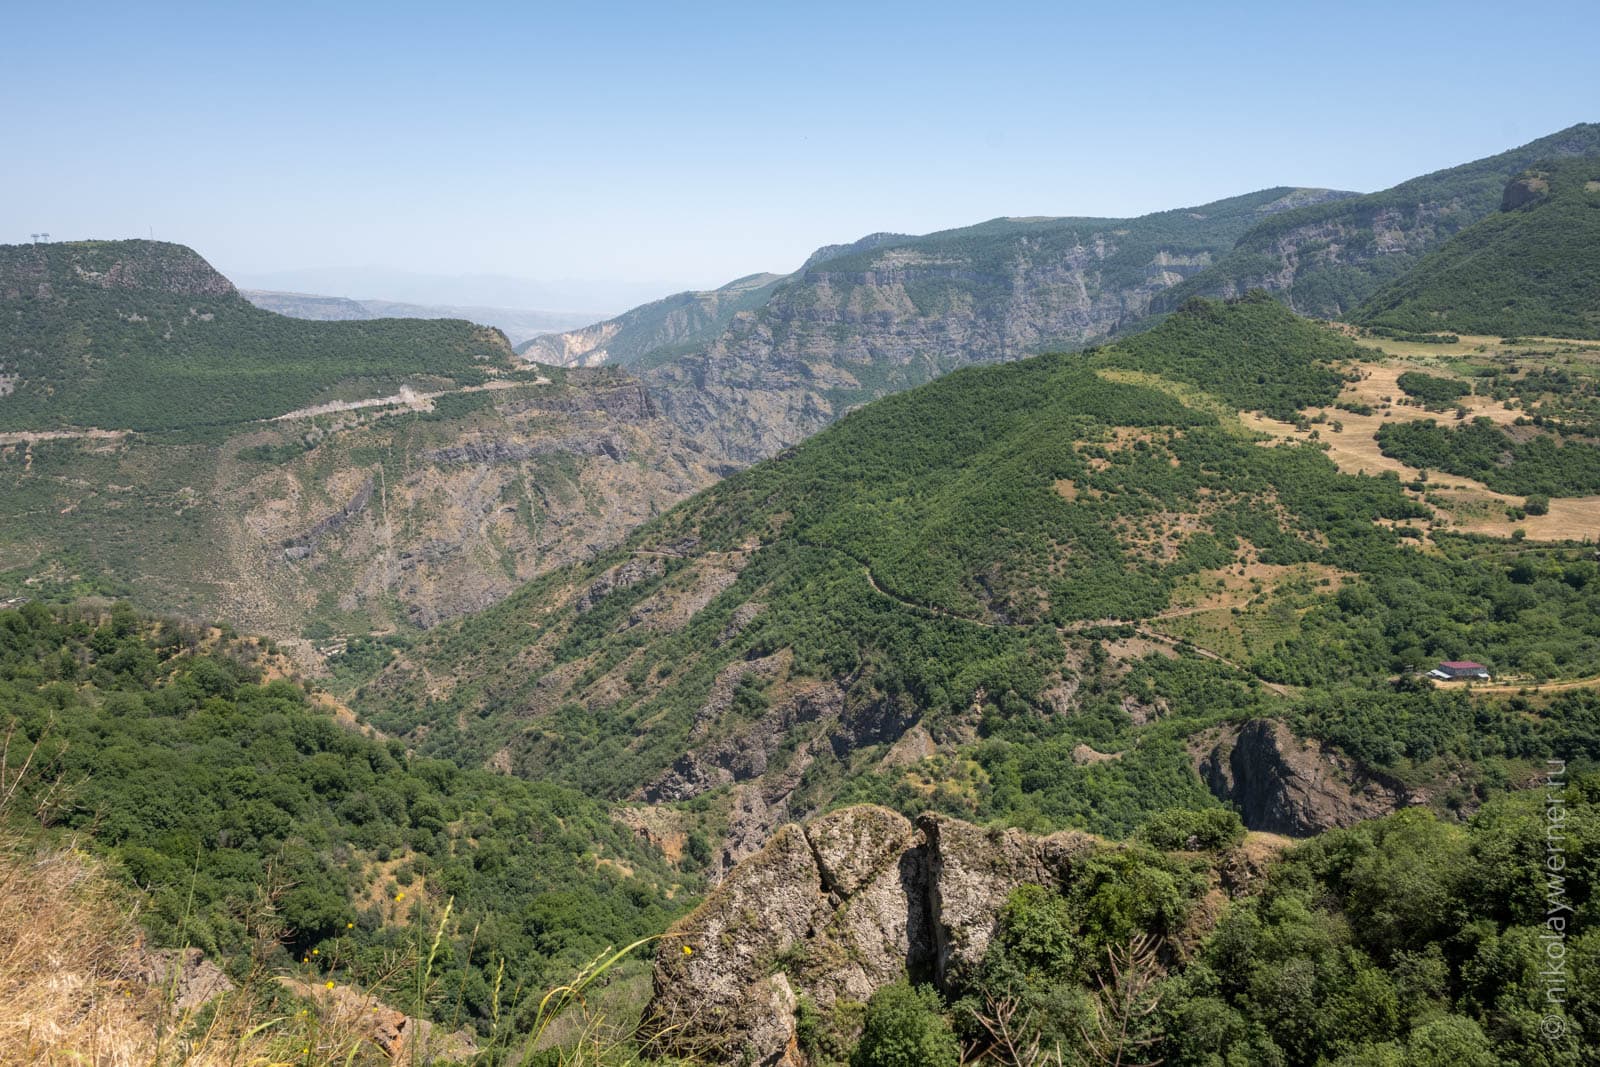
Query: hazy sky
[{"x": 688, "y": 144}]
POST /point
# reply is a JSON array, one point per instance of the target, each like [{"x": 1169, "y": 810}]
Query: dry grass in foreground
[{"x": 79, "y": 987}]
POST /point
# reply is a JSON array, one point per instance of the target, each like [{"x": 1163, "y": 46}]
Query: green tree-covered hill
[
  {"x": 959, "y": 596},
  {"x": 144, "y": 335},
  {"x": 1532, "y": 268},
  {"x": 1327, "y": 259},
  {"x": 243, "y": 808}
]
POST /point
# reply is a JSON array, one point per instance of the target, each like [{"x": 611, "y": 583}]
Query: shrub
[
  {"x": 1179, "y": 828},
  {"x": 904, "y": 1029}
]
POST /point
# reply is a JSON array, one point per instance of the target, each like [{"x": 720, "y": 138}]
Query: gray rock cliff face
[
  {"x": 1327, "y": 258},
  {"x": 1286, "y": 785},
  {"x": 835, "y": 910},
  {"x": 762, "y": 363}
]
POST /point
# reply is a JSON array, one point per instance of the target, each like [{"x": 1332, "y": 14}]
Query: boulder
[{"x": 834, "y": 912}]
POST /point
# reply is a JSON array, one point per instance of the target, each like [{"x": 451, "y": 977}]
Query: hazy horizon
[{"x": 639, "y": 151}]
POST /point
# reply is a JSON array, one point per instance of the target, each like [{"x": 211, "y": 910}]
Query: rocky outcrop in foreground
[{"x": 834, "y": 910}]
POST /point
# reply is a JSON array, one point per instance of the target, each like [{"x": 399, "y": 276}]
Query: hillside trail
[
  {"x": 406, "y": 398},
  {"x": 1071, "y": 629},
  {"x": 30, "y": 437},
  {"x": 1537, "y": 687}
]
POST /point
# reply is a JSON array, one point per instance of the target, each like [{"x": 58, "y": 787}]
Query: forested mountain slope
[
  {"x": 652, "y": 331},
  {"x": 269, "y": 834},
  {"x": 143, "y": 335},
  {"x": 1532, "y": 268},
  {"x": 1327, "y": 259},
  {"x": 965, "y": 597}
]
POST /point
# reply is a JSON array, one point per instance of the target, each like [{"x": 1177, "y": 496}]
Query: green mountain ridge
[
  {"x": 1327, "y": 259},
  {"x": 652, "y": 330},
  {"x": 141, "y": 335},
  {"x": 1532, "y": 268}
]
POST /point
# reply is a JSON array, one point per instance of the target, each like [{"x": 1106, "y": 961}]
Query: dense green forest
[
  {"x": 1543, "y": 464},
  {"x": 242, "y": 807},
  {"x": 1533, "y": 268},
  {"x": 1401, "y": 942},
  {"x": 138, "y": 335},
  {"x": 1431, "y": 389}
]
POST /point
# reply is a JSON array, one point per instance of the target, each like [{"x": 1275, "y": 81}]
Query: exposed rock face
[
  {"x": 1524, "y": 190},
  {"x": 679, "y": 319},
  {"x": 1285, "y": 785},
  {"x": 831, "y": 339},
  {"x": 191, "y": 979},
  {"x": 764, "y": 362},
  {"x": 403, "y": 1038},
  {"x": 837, "y": 910},
  {"x": 388, "y": 513}
]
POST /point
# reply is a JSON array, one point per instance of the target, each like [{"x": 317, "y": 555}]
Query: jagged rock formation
[
  {"x": 832, "y": 911},
  {"x": 1288, "y": 785}
]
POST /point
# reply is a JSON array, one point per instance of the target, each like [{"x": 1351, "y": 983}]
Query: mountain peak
[{"x": 41, "y": 270}]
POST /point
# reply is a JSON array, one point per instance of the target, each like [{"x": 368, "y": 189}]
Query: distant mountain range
[
  {"x": 559, "y": 296},
  {"x": 518, "y": 325},
  {"x": 135, "y": 363}
]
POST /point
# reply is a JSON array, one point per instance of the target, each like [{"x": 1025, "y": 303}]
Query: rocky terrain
[
  {"x": 161, "y": 438},
  {"x": 652, "y": 331},
  {"x": 1284, "y": 784},
  {"x": 355, "y": 521},
  {"x": 836, "y": 909}
]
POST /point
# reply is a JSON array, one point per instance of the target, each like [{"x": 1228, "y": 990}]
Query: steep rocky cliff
[
  {"x": 838, "y": 908},
  {"x": 349, "y": 521},
  {"x": 162, "y": 438},
  {"x": 764, "y": 363},
  {"x": 651, "y": 329},
  {"x": 1289, "y": 785}
]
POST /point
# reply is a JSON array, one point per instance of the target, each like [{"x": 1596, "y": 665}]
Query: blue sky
[{"x": 685, "y": 144}]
